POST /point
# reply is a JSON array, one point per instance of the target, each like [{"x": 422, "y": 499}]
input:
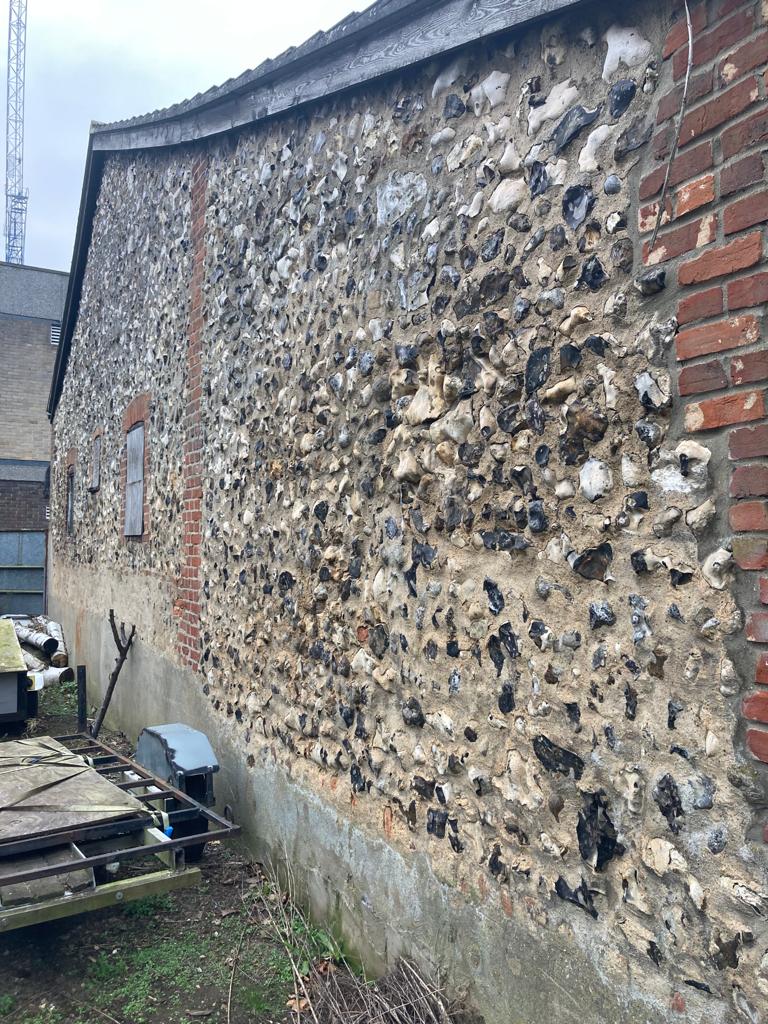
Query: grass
[
  {"x": 267, "y": 995},
  {"x": 172, "y": 974},
  {"x": 169, "y": 975},
  {"x": 59, "y": 700},
  {"x": 150, "y": 906},
  {"x": 132, "y": 980},
  {"x": 50, "y": 1014}
]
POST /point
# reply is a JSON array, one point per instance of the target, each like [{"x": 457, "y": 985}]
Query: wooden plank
[
  {"x": 109, "y": 895},
  {"x": 418, "y": 32},
  {"x": 46, "y": 789}
]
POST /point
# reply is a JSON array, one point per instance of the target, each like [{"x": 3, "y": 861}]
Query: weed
[
  {"x": 280, "y": 966},
  {"x": 104, "y": 969},
  {"x": 48, "y": 1014},
  {"x": 150, "y": 906},
  {"x": 60, "y": 700},
  {"x": 311, "y": 943},
  {"x": 170, "y": 967},
  {"x": 7, "y": 1003},
  {"x": 268, "y": 994},
  {"x": 257, "y": 1000}
]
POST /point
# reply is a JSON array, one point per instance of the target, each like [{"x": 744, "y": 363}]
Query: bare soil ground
[{"x": 163, "y": 960}]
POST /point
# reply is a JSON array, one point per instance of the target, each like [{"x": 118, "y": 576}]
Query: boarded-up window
[
  {"x": 134, "y": 485},
  {"x": 96, "y": 464},
  {"x": 70, "y": 500}
]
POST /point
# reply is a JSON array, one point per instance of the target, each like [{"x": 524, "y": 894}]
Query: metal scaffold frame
[{"x": 16, "y": 195}]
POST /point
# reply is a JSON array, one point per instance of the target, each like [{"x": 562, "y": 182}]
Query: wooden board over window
[
  {"x": 96, "y": 464},
  {"x": 134, "y": 487},
  {"x": 70, "y": 500}
]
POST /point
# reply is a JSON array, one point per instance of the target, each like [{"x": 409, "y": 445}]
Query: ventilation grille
[{"x": 55, "y": 333}]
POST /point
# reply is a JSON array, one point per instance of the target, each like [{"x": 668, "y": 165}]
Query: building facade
[
  {"x": 437, "y": 492},
  {"x": 31, "y": 308}
]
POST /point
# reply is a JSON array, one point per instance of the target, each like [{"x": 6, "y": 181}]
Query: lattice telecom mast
[{"x": 15, "y": 193}]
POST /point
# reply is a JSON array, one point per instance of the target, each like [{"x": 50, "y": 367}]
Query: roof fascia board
[{"x": 91, "y": 182}]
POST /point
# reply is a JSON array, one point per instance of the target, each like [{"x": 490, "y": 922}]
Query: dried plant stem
[
  {"x": 284, "y": 933},
  {"x": 337, "y": 995},
  {"x": 232, "y": 975}
]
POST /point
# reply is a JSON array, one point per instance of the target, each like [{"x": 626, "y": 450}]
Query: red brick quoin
[
  {"x": 187, "y": 604},
  {"x": 713, "y": 245}
]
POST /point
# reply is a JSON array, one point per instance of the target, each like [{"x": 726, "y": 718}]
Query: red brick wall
[
  {"x": 187, "y": 607},
  {"x": 713, "y": 245}
]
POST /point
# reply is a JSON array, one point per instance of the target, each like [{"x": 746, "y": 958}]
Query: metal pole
[{"x": 82, "y": 702}]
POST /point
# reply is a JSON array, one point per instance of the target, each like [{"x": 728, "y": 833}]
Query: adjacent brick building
[
  {"x": 31, "y": 309},
  {"x": 437, "y": 492}
]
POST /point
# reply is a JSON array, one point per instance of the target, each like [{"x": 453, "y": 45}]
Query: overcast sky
[{"x": 103, "y": 60}]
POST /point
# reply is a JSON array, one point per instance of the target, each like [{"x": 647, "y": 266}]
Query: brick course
[
  {"x": 187, "y": 605},
  {"x": 741, "y": 174},
  {"x": 725, "y": 123},
  {"x": 748, "y": 291},
  {"x": 700, "y": 305},
  {"x": 699, "y": 377},
  {"x": 712, "y": 413},
  {"x": 745, "y": 213},
  {"x": 717, "y": 337},
  {"x": 749, "y": 481},
  {"x": 727, "y": 259},
  {"x": 709, "y": 44}
]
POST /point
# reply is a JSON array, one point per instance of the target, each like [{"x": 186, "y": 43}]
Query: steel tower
[{"x": 15, "y": 193}]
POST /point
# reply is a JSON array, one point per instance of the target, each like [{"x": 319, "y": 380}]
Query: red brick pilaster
[
  {"x": 187, "y": 606},
  {"x": 713, "y": 244}
]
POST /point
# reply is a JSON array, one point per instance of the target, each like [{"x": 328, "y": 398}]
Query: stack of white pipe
[{"x": 43, "y": 648}]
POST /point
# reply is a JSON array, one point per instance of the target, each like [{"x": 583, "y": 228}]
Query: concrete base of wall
[{"x": 380, "y": 903}]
